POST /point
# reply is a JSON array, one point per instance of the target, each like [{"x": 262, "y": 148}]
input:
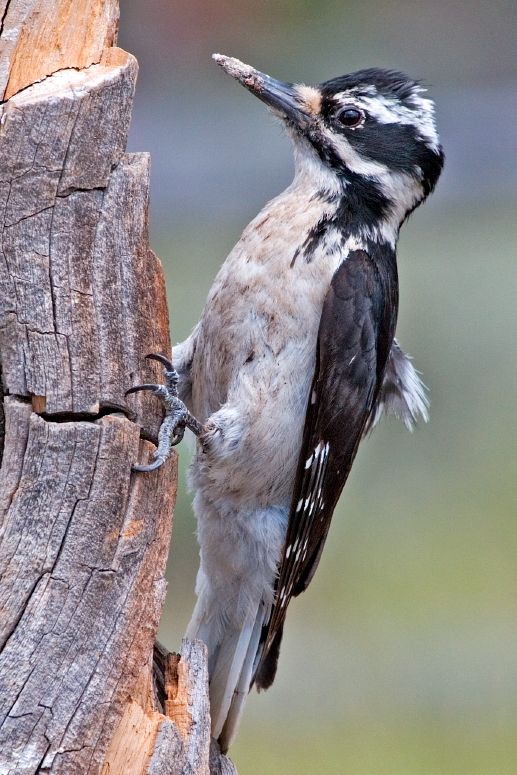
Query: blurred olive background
[{"x": 401, "y": 659}]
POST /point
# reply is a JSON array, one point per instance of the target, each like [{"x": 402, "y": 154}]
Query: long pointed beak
[{"x": 282, "y": 97}]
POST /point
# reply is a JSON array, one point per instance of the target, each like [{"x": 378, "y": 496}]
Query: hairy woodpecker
[{"x": 294, "y": 360}]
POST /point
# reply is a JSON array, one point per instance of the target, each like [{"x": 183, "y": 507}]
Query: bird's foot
[{"x": 177, "y": 416}]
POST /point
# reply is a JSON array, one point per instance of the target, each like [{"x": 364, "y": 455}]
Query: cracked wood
[
  {"x": 83, "y": 541},
  {"x": 82, "y": 563},
  {"x": 81, "y": 295},
  {"x": 40, "y": 37}
]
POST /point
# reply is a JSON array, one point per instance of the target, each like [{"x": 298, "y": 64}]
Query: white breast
[{"x": 257, "y": 340}]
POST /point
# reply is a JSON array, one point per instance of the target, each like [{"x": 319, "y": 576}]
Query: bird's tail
[{"x": 232, "y": 652}]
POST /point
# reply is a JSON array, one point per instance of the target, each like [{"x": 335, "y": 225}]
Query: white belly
[{"x": 255, "y": 354}]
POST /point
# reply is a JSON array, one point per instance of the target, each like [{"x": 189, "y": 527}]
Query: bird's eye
[{"x": 350, "y": 117}]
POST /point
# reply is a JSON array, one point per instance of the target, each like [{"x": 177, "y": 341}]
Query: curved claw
[
  {"x": 178, "y": 436},
  {"x": 176, "y": 419},
  {"x": 145, "y": 386},
  {"x": 157, "y": 463},
  {"x": 161, "y": 359}
]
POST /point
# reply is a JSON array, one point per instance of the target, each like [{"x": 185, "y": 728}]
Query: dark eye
[{"x": 350, "y": 116}]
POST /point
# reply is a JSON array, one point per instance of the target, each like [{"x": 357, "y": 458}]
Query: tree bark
[{"x": 83, "y": 540}]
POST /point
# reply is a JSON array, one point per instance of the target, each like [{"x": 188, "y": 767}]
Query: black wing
[{"x": 355, "y": 335}]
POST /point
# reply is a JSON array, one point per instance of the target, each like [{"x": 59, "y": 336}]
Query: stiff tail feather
[{"x": 231, "y": 662}]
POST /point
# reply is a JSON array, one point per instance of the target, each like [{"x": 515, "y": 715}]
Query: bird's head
[{"x": 371, "y": 132}]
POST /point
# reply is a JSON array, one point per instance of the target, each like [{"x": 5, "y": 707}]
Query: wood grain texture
[
  {"x": 76, "y": 270},
  {"x": 82, "y": 564},
  {"x": 219, "y": 763},
  {"x": 177, "y": 742},
  {"x": 40, "y": 37},
  {"x": 83, "y": 540},
  {"x": 2, "y": 417}
]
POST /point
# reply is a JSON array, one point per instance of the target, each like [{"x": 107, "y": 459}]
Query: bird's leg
[{"x": 177, "y": 416}]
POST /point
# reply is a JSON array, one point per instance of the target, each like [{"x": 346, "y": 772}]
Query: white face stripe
[
  {"x": 403, "y": 190},
  {"x": 390, "y": 111},
  {"x": 310, "y": 171},
  {"x": 354, "y": 160}
]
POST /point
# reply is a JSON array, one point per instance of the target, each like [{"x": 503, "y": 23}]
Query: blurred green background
[{"x": 401, "y": 659}]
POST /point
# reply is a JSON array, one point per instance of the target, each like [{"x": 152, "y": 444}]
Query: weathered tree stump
[{"x": 83, "y": 541}]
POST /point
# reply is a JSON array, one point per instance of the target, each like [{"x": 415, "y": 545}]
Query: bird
[{"x": 294, "y": 360}]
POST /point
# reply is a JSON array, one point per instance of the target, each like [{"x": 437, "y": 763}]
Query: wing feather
[{"x": 354, "y": 339}]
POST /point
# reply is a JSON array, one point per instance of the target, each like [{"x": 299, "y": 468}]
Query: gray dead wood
[
  {"x": 80, "y": 291},
  {"x": 82, "y": 586},
  {"x": 83, "y": 541},
  {"x": 183, "y": 744}
]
